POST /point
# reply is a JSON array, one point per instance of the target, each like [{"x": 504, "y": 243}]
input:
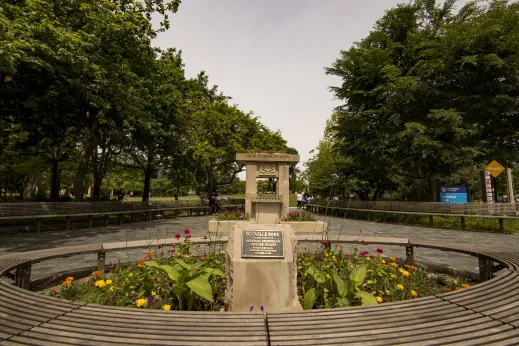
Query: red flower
[
  {"x": 162, "y": 253},
  {"x": 360, "y": 231},
  {"x": 159, "y": 246},
  {"x": 363, "y": 253},
  {"x": 151, "y": 279},
  {"x": 171, "y": 250},
  {"x": 186, "y": 231},
  {"x": 325, "y": 243},
  {"x": 114, "y": 267},
  {"x": 177, "y": 235},
  {"x": 149, "y": 255},
  {"x": 333, "y": 282},
  {"x": 184, "y": 253},
  {"x": 379, "y": 250}
]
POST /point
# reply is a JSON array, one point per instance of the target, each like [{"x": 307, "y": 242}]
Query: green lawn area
[{"x": 293, "y": 200}]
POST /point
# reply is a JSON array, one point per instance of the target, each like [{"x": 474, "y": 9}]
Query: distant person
[{"x": 299, "y": 200}]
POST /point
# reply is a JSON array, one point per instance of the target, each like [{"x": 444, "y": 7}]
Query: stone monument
[
  {"x": 263, "y": 165},
  {"x": 261, "y": 268}
]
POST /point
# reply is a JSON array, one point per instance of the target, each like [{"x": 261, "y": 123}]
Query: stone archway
[{"x": 264, "y": 165}]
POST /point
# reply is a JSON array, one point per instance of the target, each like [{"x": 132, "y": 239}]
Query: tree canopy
[
  {"x": 430, "y": 91},
  {"x": 85, "y": 96}
]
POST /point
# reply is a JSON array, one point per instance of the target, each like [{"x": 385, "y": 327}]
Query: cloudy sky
[{"x": 269, "y": 55}]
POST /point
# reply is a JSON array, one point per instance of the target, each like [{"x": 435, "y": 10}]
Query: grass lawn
[{"x": 293, "y": 198}]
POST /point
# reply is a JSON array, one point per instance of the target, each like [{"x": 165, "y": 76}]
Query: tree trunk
[
  {"x": 147, "y": 179},
  {"x": 98, "y": 181},
  {"x": 85, "y": 159},
  {"x": 177, "y": 187},
  {"x": 54, "y": 181},
  {"x": 433, "y": 189}
]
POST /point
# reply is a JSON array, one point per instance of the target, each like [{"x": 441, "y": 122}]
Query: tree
[
  {"x": 412, "y": 104},
  {"x": 222, "y": 131}
]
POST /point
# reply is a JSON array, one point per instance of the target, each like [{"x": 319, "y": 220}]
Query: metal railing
[
  {"x": 64, "y": 208},
  {"x": 501, "y": 209}
]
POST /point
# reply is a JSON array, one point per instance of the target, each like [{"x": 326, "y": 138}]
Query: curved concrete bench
[{"x": 485, "y": 314}]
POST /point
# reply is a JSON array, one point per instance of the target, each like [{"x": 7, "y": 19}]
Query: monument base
[{"x": 261, "y": 280}]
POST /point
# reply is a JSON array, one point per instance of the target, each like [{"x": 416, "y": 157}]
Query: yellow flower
[
  {"x": 108, "y": 282},
  {"x": 112, "y": 288},
  {"x": 100, "y": 283},
  {"x": 130, "y": 274},
  {"x": 393, "y": 276},
  {"x": 153, "y": 293},
  {"x": 400, "y": 287},
  {"x": 333, "y": 257},
  {"x": 326, "y": 254},
  {"x": 379, "y": 299},
  {"x": 368, "y": 259},
  {"x": 392, "y": 258},
  {"x": 383, "y": 262},
  {"x": 413, "y": 293},
  {"x": 167, "y": 307},
  {"x": 140, "y": 302}
]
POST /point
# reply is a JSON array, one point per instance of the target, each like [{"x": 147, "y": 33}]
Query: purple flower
[
  {"x": 260, "y": 193},
  {"x": 149, "y": 203},
  {"x": 158, "y": 215},
  {"x": 218, "y": 198},
  {"x": 261, "y": 308},
  {"x": 150, "y": 299},
  {"x": 335, "y": 198},
  {"x": 251, "y": 308},
  {"x": 335, "y": 175}
]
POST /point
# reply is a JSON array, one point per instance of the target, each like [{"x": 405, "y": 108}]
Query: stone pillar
[
  {"x": 261, "y": 281},
  {"x": 283, "y": 187},
  {"x": 251, "y": 186}
]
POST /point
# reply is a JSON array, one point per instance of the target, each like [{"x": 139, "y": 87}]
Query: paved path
[{"x": 198, "y": 227}]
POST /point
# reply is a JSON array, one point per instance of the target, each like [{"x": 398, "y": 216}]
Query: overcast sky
[{"x": 269, "y": 55}]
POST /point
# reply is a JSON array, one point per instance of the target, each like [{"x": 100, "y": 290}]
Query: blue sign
[{"x": 453, "y": 194}]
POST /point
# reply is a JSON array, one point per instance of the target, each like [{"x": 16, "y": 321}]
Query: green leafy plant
[
  {"x": 188, "y": 280},
  {"x": 299, "y": 215},
  {"x": 238, "y": 215}
]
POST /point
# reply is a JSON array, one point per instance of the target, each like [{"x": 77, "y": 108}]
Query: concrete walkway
[{"x": 198, "y": 227}]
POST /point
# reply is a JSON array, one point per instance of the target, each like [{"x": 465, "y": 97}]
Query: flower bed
[
  {"x": 233, "y": 215},
  {"x": 299, "y": 215},
  {"x": 174, "y": 278},
  {"x": 335, "y": 278}
]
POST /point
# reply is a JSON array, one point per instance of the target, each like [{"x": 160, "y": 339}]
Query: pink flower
[
  {"x": 186, "y": 231},
  {"x": 380, "y": 251},
  {"x": 364, "y": 253},
  {"x": 177, "y": 235}
]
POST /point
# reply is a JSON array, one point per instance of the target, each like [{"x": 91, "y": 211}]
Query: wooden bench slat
[
  {"x": 139, "y": 339},
  {"x": 417, "y": 335}
]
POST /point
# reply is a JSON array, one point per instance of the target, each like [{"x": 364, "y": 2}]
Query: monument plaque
[{"x": 262, "y": 243}]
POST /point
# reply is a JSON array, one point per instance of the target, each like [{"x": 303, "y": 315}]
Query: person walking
[{"x": 299, "y": 199}]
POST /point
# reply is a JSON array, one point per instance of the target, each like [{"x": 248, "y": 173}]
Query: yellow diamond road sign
[{"x": 494, "y": 168}]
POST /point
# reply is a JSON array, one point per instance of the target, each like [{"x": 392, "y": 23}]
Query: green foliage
[
  {"x": 299, "y": 215},
  {"x": 238, "y": 215},
  {"x": 426, "y": 94},
  {"x": 86, "y": 94}
]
